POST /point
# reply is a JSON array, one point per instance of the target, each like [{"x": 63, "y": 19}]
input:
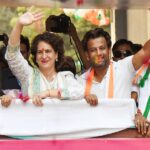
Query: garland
[{"x": 145, "y": 77}]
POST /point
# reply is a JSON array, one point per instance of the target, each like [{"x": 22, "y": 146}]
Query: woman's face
[{"x": 45, "y": 56}]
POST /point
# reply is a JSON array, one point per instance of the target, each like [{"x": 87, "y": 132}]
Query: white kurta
[{"x": 33, "y": 81}]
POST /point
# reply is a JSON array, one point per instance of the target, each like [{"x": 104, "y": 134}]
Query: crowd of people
[{"x": 53, "y": 75}]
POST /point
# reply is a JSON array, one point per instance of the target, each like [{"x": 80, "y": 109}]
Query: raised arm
[
  {"x": 26, "y": 19},
  {"x": 18, "y": 65},
  {"x": 142, "y": 56}
]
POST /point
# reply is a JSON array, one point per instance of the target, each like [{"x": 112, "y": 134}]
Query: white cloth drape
[{"x": 72, "y": 118}]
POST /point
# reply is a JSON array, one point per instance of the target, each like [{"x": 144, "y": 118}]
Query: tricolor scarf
[
  {"x": 145, "y": 77},
  {"x": 110, "y": 89},
  {"x": 38, "y": 83},
  {"x": 35, "y": 85}
]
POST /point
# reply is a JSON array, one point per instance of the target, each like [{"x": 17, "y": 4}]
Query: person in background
[
  {"x": 24, "y": 47},
  {"x": 7, "y": 80},
  {"x": 5, "y": 99},
  {"x": 121, "y": 49},
  {"x": 136, "y": 47}
]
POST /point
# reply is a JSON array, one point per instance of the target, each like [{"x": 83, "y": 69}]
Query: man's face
[
  {"x": 98, "y": 52},
  {"x": 24, "y": 51}
]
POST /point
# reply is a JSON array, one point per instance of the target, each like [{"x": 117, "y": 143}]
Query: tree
[
  {"x": 81, "y": 25},
  {"x": 5, "y": 16}
]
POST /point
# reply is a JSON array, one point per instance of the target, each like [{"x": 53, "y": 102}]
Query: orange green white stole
[{"x": 90, "y": 78}]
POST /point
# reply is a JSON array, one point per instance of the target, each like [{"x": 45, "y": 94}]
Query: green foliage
[
  {"x": 82, "y": 26},
  {"x": 5, "y": 16}
]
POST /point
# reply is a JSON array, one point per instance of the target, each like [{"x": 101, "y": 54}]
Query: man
[{"x": 107, "y": 79}]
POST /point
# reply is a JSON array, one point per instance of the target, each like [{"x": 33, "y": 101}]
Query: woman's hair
[
  {"x": 52, "y": 39},
  {"x": 68, "y": 64}
]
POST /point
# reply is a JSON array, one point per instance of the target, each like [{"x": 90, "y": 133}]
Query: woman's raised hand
[{"x": 29, "y": 17}]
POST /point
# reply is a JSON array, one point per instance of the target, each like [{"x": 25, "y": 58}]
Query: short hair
[
  {"x": 52, "y": 39},
  {"x": 121, "y": 42},
  {"x": 24, "y": 40},
  {"x": 96, "y": 33},
  {"x": 136, "y": 48}
]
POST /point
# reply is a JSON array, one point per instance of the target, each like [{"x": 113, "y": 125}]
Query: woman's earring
[{"x": 56, "y": 60}]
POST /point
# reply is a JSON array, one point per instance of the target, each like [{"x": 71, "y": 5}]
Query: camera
[
  {"x": 4, "y": 38},
  {"x": 58, "y": 24}
]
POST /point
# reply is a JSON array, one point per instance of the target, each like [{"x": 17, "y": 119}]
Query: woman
[{"x": 47, "y": 50}]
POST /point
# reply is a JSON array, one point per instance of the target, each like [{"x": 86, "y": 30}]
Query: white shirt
[{"x": 123, "y": 75}]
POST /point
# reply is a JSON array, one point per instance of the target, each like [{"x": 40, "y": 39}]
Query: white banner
[{"x": 67, "y": 118}]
